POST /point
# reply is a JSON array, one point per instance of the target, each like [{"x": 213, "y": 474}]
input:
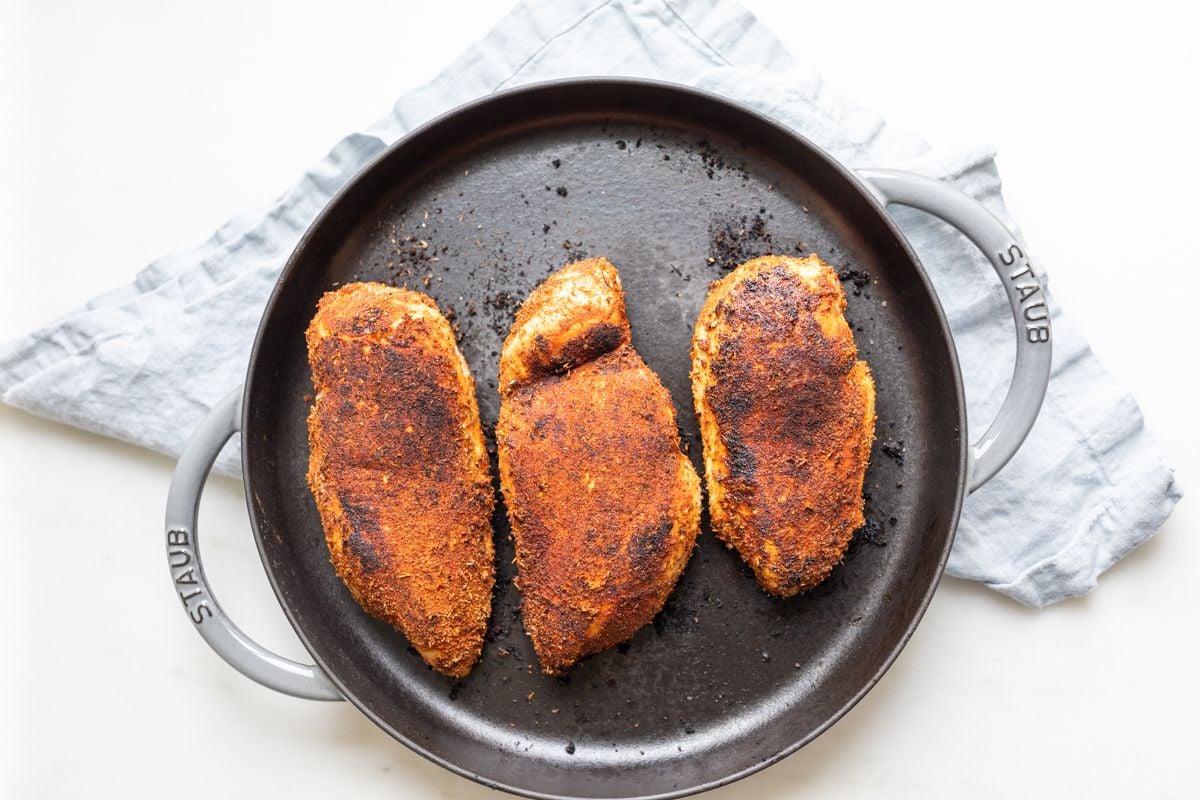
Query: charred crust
[
  {"x": 595, "y": 342},
  {"x": 644, "y": 547},
  {"x": 743, "y": 466},
  {"x": 360, "y": 541}
]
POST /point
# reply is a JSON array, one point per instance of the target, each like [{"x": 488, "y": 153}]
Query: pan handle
[
  {"x": 1022, "y": 281},
  {"x": 187, "y": 571}
]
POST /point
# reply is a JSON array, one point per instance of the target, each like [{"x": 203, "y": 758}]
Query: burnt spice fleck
[
  {"x": 894, "y": 449},
  {"x": 858, "y": 277}
]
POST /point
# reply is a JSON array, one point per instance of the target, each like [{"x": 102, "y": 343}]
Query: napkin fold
[{"x": 144, "y": 362}]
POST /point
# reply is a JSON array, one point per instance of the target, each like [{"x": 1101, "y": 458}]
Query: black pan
[{"x": 675, "y": 187}]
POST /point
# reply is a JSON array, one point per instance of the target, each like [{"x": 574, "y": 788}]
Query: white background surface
[{"x": 130, "y": 129}]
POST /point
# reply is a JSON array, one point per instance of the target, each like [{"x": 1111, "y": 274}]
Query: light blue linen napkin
[{"x": 1088, "y": 486}]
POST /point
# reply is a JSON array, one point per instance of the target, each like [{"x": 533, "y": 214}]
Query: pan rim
[{"x": 582, "y": 83}]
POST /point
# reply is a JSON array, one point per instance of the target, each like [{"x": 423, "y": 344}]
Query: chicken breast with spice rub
[
  {"x": 399, "y": 471},
  {"x": 787, "y": 416},
  {"x": 604, "y": 507}
]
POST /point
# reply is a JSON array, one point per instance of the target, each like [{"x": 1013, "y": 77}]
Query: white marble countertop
[{"x": 117, "y": 145}]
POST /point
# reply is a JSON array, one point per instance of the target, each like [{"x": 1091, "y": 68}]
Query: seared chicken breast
[
  {"x": 787, "y": 416},
  {"x": 604, "y": 507},
  {"x": 399, "y": 471}
]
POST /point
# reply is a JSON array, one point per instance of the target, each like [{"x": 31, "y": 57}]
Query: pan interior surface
[{"x": 674, "y": 188}]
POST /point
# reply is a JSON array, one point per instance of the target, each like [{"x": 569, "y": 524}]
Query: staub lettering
[
  {"x": 182, "y": 557},
  {"x": 1030, "y": 295}
]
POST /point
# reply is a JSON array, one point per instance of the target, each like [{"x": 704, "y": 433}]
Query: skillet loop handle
[
  {"x": 187, "y": 571},
  {"x": 1023, "y": 284}
]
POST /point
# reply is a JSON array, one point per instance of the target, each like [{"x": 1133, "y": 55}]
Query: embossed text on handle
[{"x": 1029, "y": 294}]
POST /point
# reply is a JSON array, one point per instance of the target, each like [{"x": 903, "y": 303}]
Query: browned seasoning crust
[
  {"x": 604, "y": 507},
  {"x": 399, "y": 471},
  {"x": 787, "y": 415}
]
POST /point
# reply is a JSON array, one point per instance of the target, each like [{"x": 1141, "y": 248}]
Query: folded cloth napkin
[{"x": 144, "y": 362}]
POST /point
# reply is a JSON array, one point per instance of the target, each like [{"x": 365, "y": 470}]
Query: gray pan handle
[
  {"x": 1023, "y": 284},
  {"x": 187, "y": 572}
]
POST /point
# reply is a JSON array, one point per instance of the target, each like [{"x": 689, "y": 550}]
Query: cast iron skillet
[{"x": 674, "y": 186}]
